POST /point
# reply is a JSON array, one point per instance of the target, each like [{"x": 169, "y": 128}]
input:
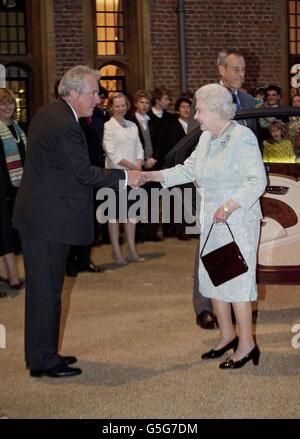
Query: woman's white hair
[
  {"x": 218, "y": 99},
  {"x": 74, "y": 79}
]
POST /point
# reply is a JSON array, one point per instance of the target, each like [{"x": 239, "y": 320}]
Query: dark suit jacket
[
  {"x": 55, "y": 199},
  {"x": 94, "y": 136},
  {"x": 160, "y": 129}
]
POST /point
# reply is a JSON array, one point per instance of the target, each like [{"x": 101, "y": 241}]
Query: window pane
[
  {"x": 292, "y": 7},
  {"x": 110, "y": 34},
  {"x": 101, "y": 49},
  {"x": 3, "y": 34},
  {"x": 101, "y": 34},
  {"x": 99, "y": 5},
  {"x": 12, "y": 33},
  {"x": 120, "y": 20},
  {"x": 20, "y": 19},
  {"x": 292, "y": 48},
  {"x": 109, "y": 5},
  {"x": 111, "y": 49},
  {"x": 22, "y": 48},
  {"x": 12, "y": 19},
  {"x": 100, "y": 19},
  {"x": 292, "y": 34},
  {"x": 21, "y": 34},
  {"x": 3, "y": 48},
  {"x": 292, "y": 21},
  {"x": 2, "y": 18},
  {"x": 13, "y": 48}
]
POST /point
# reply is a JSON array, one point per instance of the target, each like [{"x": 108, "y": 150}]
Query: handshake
[{"x": 138, "y": 178}]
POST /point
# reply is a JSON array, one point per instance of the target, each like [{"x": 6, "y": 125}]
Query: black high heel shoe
[
  {"x": 216, "y": 353},
  {"x": 252, "y": 355}
]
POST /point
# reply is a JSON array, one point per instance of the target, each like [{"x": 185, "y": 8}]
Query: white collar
[
  {"x": 75, "y": 114},
  {"x": 158, "y": 113},
  {"x": 142, "y": 118}
]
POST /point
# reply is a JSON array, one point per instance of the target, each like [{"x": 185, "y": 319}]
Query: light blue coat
[{"x": 228, "y": 167}]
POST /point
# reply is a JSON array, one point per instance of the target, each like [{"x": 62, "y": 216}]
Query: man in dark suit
[
  {"x": 231, "y": 65},
  {"x": 53, "y": 210},
  {"x": 79, "y": 258}
]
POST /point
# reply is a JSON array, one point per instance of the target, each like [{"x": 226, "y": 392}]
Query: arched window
[{"x": 113, "y": 78}]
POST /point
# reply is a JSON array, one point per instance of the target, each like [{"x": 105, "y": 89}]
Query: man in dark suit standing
[
  {"x": 231, "y": 65},
  {"x": 53, "y": 210}
]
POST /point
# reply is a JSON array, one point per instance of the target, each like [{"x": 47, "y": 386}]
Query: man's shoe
[
  {"x": 71, "y": 271},
  {"x": 206, "y": 320},
  {"x": 92, "y": 268},
  {"x": 68, "y": 359},
  {"x": 59, "y": 371},
  {"x": 2, "y": 294}
]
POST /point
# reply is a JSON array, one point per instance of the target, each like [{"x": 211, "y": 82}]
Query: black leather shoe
[
  {"x": 216, "y": 353},
  {"x": 68, "y": 359},
  {"x": 2, "y": 294},
  {"x": 252, "y": 355},
  {"x": 59, "y": 371},
  {"x": 92, "y": 268},
  {"x": 71, "y": 271},
  {"x": 65, "y": 360},
  {"x": 206, "y": 320}
]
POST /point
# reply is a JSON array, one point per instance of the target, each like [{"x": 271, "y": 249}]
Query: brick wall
[
  {"x": 68, "y": 29},
  {"x": 253, "y": 27}
]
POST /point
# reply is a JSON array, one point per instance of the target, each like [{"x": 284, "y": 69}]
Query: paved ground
[{"x": 133, "y": 330}]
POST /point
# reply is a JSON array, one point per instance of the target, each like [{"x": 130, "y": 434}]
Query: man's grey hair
[
  {"x": 222, "y": 59},
  {"x": 218, "y": 100},
  {"x": 74, "y": 79}
]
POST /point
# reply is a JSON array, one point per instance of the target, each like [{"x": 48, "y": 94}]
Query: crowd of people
[{"x": 76, "y": 147}]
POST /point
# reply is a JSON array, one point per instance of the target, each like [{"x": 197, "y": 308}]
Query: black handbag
[{"x": 225, "y": 262}]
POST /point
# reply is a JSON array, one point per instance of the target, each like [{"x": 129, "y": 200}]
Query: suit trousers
[
  {"x": 44, "y": 263},
  {"x": 200, "y": 302}
]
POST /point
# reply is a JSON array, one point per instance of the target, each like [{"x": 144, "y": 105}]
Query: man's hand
[{"x": 135, "y": 179}]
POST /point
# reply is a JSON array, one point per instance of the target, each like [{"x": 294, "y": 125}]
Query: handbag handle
[{"x": 210, "y": 232}]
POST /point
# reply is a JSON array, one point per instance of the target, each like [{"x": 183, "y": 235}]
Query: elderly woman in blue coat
[{"x": 228, "y": 166}]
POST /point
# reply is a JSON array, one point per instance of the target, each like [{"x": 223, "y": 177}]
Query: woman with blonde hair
[
  {"x": 123, "y": 150},
  {"x": 12, "y": 155}
]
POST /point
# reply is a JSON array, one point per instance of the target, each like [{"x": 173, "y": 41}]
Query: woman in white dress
[
  {"x": 228, "y": 166},
  {"x": 123, "y": 150}
]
